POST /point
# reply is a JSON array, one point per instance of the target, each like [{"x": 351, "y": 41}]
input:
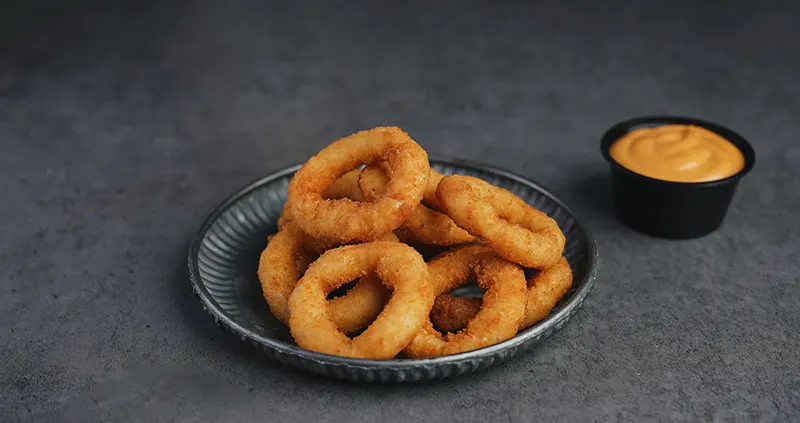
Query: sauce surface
[{"x": 678, "y": 153}]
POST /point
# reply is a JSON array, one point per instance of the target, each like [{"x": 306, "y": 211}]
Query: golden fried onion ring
[
  {"x": 344, "y": 220},
  {"x": 423, "y": 225},
  {"x": 545, "y": 289},
  {"x": 501, "y": 312},
  {"x": 513, "y": 228},
  {"x": 283, "y": 262},
  {"x": 344, "y": 187},
  {"x": 399, "y": 266}
]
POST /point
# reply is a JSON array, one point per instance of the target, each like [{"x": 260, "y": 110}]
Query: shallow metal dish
[{"x": 223, "y": 258}]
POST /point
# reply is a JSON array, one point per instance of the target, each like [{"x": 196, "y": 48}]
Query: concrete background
[{"x": 123, "y": 124}]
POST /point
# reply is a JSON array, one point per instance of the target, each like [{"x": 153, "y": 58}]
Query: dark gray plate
[{"x": 224, "y": 256}]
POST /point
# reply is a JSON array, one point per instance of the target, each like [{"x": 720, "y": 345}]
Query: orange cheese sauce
[{"x": 678, "y": 153}]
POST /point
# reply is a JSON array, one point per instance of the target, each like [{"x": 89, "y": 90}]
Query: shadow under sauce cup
[{"x": 678, "y": 210}]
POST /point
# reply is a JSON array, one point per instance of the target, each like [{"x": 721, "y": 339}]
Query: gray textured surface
[{"x": 122, "y": 126}]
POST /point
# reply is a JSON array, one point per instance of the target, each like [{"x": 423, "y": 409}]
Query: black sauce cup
[{"x": 678, "y": 210}]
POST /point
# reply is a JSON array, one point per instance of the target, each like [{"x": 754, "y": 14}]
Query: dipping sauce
[{"x": 678, "y": 153}]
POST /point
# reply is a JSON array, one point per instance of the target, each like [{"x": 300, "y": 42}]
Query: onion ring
[
  {"x": 451, "y": 314},
  {"x": 501, "y": 312},
  {"x": 344, "y": 187},
  {"x": 400, "y": 268},
  {"x": 344, "y": 220},
  {"x": 545, "y": 290},
  {"x": 423, "y": 225},
  {"x": 513, "y": 228},
  {"x": 283, "y": 262}
]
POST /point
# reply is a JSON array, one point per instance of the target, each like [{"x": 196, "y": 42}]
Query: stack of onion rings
[{"x": 342, "y": 223}]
